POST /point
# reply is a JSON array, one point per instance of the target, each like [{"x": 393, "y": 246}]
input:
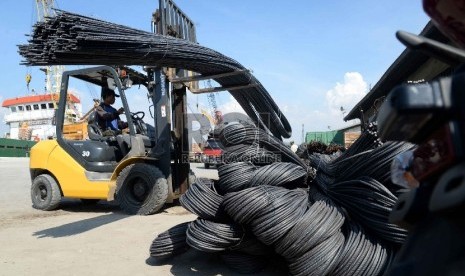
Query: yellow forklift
[{"x": 142, "y": 169}]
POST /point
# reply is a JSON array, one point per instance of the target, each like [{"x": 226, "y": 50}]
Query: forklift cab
[
  {"x": 96, "y": 151},
  {"x": 142, "y": 168}
]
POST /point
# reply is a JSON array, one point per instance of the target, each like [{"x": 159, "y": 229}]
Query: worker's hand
[{"x": 120, "y": 110}]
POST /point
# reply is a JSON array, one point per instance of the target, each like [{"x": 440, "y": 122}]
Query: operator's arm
[{"x": 106, "y": 115}]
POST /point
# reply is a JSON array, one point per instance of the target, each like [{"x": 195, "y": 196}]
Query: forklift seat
[
  {"x": 93, "y": 129},
  {"x": 121, "y": 142}
]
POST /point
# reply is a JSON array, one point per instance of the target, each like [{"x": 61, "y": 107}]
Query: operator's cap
[{"x": 107, "y": 91}]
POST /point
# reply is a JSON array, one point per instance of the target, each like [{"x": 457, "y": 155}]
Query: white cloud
[
  {"x": 231, "y": 106},
  {"x": 346, "y": 94},
  {"x": 328, "y": 115}
]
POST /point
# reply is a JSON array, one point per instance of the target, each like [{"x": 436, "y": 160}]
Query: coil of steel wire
[
  {"x": 289, "y": 175},
  {"x": 375, "y": 163},
  {"x": 368, "y": 202},
  {"x": 243, "y": 206},
  {"x": 252, "y": 246},
  {"x": 249, "y": 153},
  {"x": 235, "y": 177},
  {"x": 282, "y": 212},
  {"x": 208, "y": 236},
  {"x": 235, "y": 134},
  {"x": 171, "y": 242},
  {"x": 202, "y": 199},
  {"x": 320, "y": 221},
  {"x": 361, "y": 255},
  {"x": 321, "y": 259}
]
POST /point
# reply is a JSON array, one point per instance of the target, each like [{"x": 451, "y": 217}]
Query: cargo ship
[{"x": 31, "y": 118}]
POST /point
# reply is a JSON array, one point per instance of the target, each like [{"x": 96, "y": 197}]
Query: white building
[{"x": 31, "y": 117}]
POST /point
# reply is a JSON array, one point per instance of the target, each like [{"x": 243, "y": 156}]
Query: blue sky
[{"x": 312, "y": 56}]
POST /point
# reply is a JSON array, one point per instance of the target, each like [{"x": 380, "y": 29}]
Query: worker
[{"x": 108, "y": 117}]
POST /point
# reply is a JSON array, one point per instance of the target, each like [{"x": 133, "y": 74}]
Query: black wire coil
[
  {"x": 171, "y": 242},
  {"x": 202, "y": 199},
  {"x": 208, "y": 236},
  {"x": 235, "y": 177},
  {"x": 280, "y": 174},
  {"x": 245, "y": 134}
]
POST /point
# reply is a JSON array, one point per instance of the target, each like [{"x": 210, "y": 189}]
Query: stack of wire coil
[{"x": 336, "y": 224}]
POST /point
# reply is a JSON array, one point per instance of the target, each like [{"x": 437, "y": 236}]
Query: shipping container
[{"x": 15, "y": 148}]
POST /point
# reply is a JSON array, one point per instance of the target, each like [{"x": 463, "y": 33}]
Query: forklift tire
[
  {"x": 45, "y": 193},
  {"x": 207, "y": 166},
  {"x": 141, "y": 189}
]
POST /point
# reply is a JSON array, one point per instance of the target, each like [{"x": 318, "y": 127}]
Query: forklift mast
[{"x": 169, "y": 102}]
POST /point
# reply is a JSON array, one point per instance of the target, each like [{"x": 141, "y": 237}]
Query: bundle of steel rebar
[{"x": 71, "y": 39}]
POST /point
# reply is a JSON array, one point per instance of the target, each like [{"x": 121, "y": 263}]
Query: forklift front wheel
[
  {"x": 45, "y": 193},
  {"x": 141, "y": 189}
]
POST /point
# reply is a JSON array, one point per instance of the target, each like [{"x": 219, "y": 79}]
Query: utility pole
[{"x": 303, "y": 134}]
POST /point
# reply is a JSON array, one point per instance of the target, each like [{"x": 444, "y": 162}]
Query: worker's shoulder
[
  {"x": 105, "y": 108},
  {"x": 99, "y": 108}
]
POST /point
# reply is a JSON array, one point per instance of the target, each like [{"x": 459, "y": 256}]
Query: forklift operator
[{"x": 108, "y": 117}]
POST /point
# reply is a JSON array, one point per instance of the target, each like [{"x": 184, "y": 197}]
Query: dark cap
[{"x": 107, "y": 91}]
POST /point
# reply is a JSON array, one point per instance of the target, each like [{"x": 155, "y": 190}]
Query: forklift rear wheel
[
  {"x": 45, "y": 193},
  {"x": 141, "y": 189}
]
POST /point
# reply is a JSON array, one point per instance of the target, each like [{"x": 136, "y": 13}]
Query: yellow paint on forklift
[
  {"x": 40, "y": 152},
  {"x": 69, "y": 173}
]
